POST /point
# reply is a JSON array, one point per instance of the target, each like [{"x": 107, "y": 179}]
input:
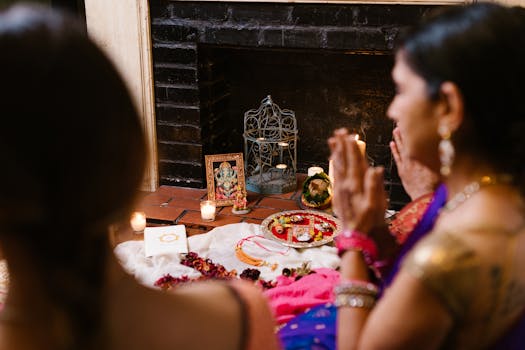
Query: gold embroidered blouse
[{"x": 477, "y": 276}]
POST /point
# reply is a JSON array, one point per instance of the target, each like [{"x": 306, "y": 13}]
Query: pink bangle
[{"x": 355, "y": 240}]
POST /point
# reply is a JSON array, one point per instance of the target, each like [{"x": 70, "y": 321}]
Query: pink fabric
[{"x": 290, "y": 298}]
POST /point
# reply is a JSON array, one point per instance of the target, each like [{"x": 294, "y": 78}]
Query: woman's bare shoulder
[
  {"x": 152, "y": 319},
  {"x": 237, "y": 307},
  {"x": 206, "y": 301}
]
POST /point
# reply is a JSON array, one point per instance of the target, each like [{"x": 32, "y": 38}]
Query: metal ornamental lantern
[{"x": 270, "y": 148}]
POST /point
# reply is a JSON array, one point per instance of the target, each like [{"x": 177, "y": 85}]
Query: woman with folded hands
[{"x": 459, "y": 89}]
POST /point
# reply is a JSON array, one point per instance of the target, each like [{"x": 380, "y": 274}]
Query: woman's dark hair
[
  {"x": 480, "y": 48},
  {"x": 72, "y": 153}
]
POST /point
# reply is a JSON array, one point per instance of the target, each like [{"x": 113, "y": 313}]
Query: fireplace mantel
[
  {"x": 370, "y": 2},
  {"x": 122, "y": 28},
  {"x": 365, "y": 2}
]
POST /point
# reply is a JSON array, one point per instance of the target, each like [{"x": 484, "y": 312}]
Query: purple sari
[
  {"x": 514, "y": 339},
  {"x": 424, "y": 226}
]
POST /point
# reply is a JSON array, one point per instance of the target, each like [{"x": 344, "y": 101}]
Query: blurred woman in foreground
[{"x": 72, "y": 150}]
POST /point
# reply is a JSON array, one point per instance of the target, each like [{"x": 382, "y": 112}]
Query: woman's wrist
[
  {"x": 353, "y": 266},
  {"x": 357, "y": 241}
]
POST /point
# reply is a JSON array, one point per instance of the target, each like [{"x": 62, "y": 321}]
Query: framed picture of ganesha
[{"x": 224, "y": 177}]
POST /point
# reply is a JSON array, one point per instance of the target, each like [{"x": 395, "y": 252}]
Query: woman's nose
[{"x": 390, "y": 112}]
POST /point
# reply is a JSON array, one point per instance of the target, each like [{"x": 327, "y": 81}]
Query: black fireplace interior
[{"x": 330, "y": 64}]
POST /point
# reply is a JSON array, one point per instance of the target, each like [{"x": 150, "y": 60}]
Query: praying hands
[{"x": 359, "y": 197}]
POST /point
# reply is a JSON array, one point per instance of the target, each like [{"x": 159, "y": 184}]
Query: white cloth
[{"x": 219, "y": 245}]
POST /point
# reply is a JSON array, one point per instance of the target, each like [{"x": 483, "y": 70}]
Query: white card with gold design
[{"x": 165, "y": 240}]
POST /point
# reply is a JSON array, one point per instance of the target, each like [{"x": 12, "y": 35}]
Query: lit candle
[
  {"x": 208, "y": 210},
  {"x": 282, "y": 146},
  {"x": 361, "y": 144},
  {"x": 138, "y": 221},
  {"x": 314, "y": 170},
  {"x": 281, "y": 166}
]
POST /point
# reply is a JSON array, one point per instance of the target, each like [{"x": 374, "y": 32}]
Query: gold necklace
[
  {"x": 474, "y": 187},
  {"x": 250, "y": 260}
]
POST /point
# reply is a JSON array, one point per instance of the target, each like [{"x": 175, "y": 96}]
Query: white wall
[{"x": 122, "y": 29}]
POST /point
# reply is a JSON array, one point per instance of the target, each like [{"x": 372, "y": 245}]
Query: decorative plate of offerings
[{"x": 301, "y": 228}]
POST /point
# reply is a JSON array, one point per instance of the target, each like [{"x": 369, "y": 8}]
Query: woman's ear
[{"x": 453, "y": 107}]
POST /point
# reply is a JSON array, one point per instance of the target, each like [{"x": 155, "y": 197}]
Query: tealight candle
[
  {"x": 314, "y": 170},
  {"x": 282, "y": 146},
  {"x": 208, "y": 210},
  {"x": 361, "y": 144},
  {"x": 281, "y": 166},
  {"x": 138, "y": 221}
]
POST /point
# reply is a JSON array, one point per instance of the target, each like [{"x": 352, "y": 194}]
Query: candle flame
[
  {"x": 138, "y": 221},
  {"x": 357, "y": 137}
]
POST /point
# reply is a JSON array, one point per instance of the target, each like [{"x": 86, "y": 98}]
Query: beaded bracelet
[
  {"x": 356, "y": 287},
  {"x": 355, "y": 240},
  {"x": 355, "y": 300}
]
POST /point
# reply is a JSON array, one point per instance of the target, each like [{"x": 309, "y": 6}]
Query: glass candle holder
[
  {"x": 208, "y": 209},
  {"x": 138, "y": 221}
]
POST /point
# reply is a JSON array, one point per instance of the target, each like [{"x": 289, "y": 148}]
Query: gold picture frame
[{"x": 224, "y": 173}]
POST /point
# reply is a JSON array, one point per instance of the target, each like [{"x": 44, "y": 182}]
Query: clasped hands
[{"x": 359, "y": 198}]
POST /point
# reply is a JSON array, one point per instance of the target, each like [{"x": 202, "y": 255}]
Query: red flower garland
[{"x": 209, "y": 270}]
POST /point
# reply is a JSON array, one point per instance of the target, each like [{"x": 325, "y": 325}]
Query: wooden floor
[{"x": 171, "y": 205}]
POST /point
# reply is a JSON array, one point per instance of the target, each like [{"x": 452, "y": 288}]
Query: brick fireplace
[{"x": 330, "y": 63}]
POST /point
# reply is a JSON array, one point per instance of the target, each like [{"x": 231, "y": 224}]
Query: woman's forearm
[{"x": 351, "y": 319}]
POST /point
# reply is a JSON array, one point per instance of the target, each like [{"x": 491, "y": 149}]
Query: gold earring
[{"x": 446, "y": 150}]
